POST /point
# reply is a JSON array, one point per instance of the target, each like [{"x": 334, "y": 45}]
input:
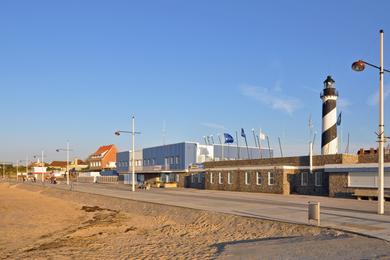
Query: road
[{"x": 344, "y": 214}]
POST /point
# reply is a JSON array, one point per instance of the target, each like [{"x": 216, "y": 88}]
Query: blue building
[{"x": 167, "y": 162}]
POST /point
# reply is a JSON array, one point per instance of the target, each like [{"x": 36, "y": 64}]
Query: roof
[
  {"x": 102, "y": 150},
  {"x": 80, "y": 162},
  {"x": 58, "y": 164}
]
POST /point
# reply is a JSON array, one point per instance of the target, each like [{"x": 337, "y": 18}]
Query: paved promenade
[{"x": 345, "y": 214}]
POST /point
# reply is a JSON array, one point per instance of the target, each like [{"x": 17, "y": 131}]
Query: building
[
  {"x": 103, "y": 158},
  {"x": 124, "y": 161},
  {"x": 338, "y": 175},
  {"x": 78, "y": 165},
  {"x": 38, "y": 169},
  {"x": 165, "y": 163},
  {"x": 59, "y": 166}
]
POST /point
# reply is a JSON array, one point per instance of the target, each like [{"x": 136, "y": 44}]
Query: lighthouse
[{"x": 329, "y": 95}]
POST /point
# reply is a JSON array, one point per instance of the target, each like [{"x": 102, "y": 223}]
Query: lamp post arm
[{"x": 374, "y": 66}]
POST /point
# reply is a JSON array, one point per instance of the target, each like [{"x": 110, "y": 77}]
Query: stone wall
[
  {"x": 310, "y": 188},
  {"x": 338, "y": 186},
  {"x": 191, "y": 180},
  {"x": 318, "y": 160},
  {"x": 372, "y": 158},
  {"x": 237, "y": 181}
]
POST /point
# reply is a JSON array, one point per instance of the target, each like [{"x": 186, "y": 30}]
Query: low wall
[
  {"x": 84, "y": 179},
  {"x": 107, "y": 179}
]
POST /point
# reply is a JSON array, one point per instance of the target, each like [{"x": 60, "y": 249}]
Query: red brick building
[{"x": 103, "y": 158}]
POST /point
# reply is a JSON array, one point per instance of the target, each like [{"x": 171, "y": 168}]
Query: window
[
  {"x": 211, "y": 177},
  {"x": 304, "y": 178},
  {"x": 192, "y": 178},
  {"x": 171, "y": 160},
  {"x": 229, "y": 178},
  {"x": 177, "y": 160},
  {"x": 318, "y": 178},
  {"x": 258, "y": 178},
  {"x": 177, "y": 177},
  {"x": 220, "y": 178},
  {"x": 246, "y": 178},
  {"x": 200, "y": 175},
  {"x": 166, "y": 161},
  {"x": 271, "y": 178},
  {"x": 153, "y": 161}
]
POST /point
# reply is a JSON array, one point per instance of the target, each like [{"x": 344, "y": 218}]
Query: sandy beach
[{"x": 44, "y": 223}]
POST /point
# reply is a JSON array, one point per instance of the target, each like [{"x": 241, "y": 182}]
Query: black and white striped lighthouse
[{"x": 329, "y": 95}]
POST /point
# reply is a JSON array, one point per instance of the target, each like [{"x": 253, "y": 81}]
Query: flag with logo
[{"x": 228, "y": 138}]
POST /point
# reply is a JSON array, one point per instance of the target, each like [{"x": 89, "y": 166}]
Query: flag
[
  {"x": 339, "y": 119},
  {"x": 228, "y": 138},
  {"x": 243, "y": 133},
  {"x": 262, "y": 136}
]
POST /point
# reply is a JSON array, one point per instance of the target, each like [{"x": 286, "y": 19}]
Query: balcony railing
[{"x": 329, "y": 92}]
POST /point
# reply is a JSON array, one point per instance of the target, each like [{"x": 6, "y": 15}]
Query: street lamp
[
  {"x": 67, "y": 150},
  {"x": 133, "y": 133},
  {"x": 360, "y": 66}
]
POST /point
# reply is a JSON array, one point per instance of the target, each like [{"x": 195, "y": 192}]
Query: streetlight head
[
  {"x": 358, "y": 65},
  {"x": 57, "y": 150},
  {"x": 117, "y": 133}
]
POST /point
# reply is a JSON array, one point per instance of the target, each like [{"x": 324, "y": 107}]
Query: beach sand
[{"x": 44, "y": 223}]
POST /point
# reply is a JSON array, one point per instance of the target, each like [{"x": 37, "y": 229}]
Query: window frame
[
  {"x": 246, "y": 178},
  {"x": 229, "y": 178},
  {"x": 303, "y": 183},
  {"x": 220, "y": 178},
  {"x": 318, "y": 176},
  {"x": 259, "y": 177},
  {"x": 271, "y": 175},
  {"x": 211, "y": 177}
]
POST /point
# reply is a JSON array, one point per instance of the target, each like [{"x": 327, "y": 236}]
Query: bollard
[{"x": 314, "y": 212}]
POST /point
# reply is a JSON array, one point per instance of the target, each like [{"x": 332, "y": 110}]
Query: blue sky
[{"x": 78, "y": 70}]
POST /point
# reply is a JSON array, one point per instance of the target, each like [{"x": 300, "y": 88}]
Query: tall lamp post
[
  {"x": 360, "y": 66},
  {"x": 67, "y": 150},
  {"x": 133, "y": 133}
]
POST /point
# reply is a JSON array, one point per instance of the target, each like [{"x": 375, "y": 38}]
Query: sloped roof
[
  {"x": 80, "y": 162},
  {"x": 102, "y": 150},
  {"x": 58, "y": 164}
]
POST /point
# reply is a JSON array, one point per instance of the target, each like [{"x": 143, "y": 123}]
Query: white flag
[{"x": 262, "y": 136}]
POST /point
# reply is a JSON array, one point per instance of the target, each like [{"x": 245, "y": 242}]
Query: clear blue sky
[{"x": 78, "y": 70}]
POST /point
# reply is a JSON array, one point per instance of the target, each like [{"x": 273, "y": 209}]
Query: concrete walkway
[{"x": 345, "y": 214}]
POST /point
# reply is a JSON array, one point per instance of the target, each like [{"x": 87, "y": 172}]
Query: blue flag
[
  {"x": 243, "y": 133},
  {"x": 228, "y": 138},
  {"x": 339, "y": 119}
]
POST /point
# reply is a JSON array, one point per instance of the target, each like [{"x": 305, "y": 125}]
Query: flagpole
[
  {"x": 254, "y": 136},
  {"x": 258, "y": 141},
  {"x": 222, "y": 153},
  {"x": 247, "y": 149},
  {"x": 269, "y": 148},
  {"x": 238, "y": 149},
  {"x": 280, "y": 147}
]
